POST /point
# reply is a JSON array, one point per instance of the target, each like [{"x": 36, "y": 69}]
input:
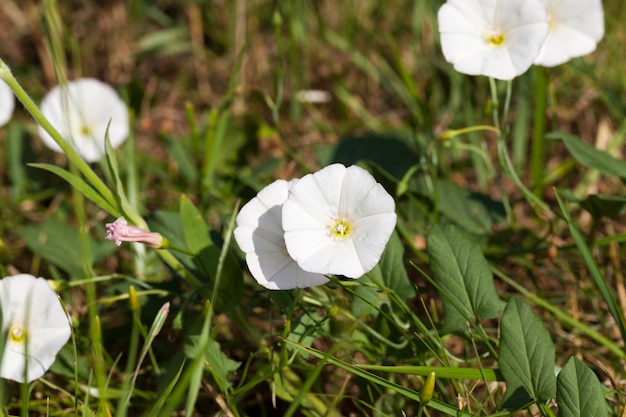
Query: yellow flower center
[
  {"x": 17, "y": 334},
  {"x": 341, "y": 228},
  {"x": 85, "y": 130},
  {"x": 496, "y": 38}
]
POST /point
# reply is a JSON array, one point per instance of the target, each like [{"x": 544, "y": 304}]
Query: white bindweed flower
[
  {"x": 576, "y": 27},
  {"x": 338, "y": 221},
  {"x": 7, "y": 103},
  {"x": 495, "y": 38},
  {"x": 35, "y": 326},
  {"x": 81, "y": 112},
  {"x": 260, "y": 235}
]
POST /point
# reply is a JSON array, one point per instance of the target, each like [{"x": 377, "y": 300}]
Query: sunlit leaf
[
  {"x": 79, "y": 184},
  {"x": 463, "y": 278},
  {"x": 578, "y": 391},
  {"x": 527, "y": 356},
  {"x": 590, "y": 156}
]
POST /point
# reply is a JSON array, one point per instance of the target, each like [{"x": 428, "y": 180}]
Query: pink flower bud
[{"x": 119, "y": 231}]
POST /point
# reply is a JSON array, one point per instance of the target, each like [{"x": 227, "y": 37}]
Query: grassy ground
[{"x": 212, "y": 87}]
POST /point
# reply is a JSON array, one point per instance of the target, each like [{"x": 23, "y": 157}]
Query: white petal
[
  {"x": 329, "y": 256},
  {"x": 259, "y": 234},
  {"x": 576, "y": 28},
  {"x": 371, "y": 235},
  {"x": 85, "y": 103},
  {"x": 30, "y": 303},
  {"x": 7, "y": 103}
]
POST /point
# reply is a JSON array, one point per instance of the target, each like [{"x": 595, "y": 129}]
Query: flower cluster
[
  {"x": 34, "y": 324},
  {"x": 503, "y": 38},
  {"x": 336, "y": 221},
  {"x": 84, "y": 112}
]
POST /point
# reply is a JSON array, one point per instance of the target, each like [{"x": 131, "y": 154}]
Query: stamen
[
  {"x": 496, "y": 38},
  {"x": 341, "y": 228},
  {"x": 17, "y": 334}
]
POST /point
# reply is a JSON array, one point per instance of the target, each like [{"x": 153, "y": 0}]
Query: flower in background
[
  {"x": 119, "y": 231},
  {"x": 260, "y": 236},
  {"x": 81, "y": 112},
  {"x": 576, "y": 27},
  {"x": 35, "y": 326},
  {"x": 338, "y": 221},
  {"x": 495, "y": 38},
  {"x": 7, "y": 103}
]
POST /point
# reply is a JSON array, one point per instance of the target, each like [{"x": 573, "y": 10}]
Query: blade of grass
[
  {"x": 408, "y": 393},
  {"x": 606, "y": 292}
]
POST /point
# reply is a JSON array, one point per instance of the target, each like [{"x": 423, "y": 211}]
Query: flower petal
[
  {"x": 7, "y": 103},
  {"x": 259, "y": 234}
]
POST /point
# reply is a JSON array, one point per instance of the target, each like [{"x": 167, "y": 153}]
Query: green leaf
[
  {"x": 590, "y": 156},
  {"x": 578, "y": 391},
  {"x": 195, "y": 229},
  {"x": 390, "y": 273},
  {"x": 220, "y": 365},
  {"x": 79, "y": 184},
  {"x": 463, "y": 278},
  {"x": 475, "y": 213},
  {"x": 56, "y": 242},
  {"x": 598, "y": 205},
  {"x": 206, "y": 252},
  {"x": 527, "y": 356},
  {"x": 303, "y": 329}
]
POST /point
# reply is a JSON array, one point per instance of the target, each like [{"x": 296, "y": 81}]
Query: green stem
[
  {"x": 537, "y": 164},
  {"x": 501, "y": 141}
]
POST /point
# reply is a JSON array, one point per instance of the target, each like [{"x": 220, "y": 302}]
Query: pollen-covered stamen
[
  {"x": 495, "y": 38},
  {"x": 17, "y": 334},
  {"x": 341, "y": 228}
]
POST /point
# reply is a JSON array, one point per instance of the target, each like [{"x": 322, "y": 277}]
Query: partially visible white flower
[
  {"x": 7, "y": 103},
  {"x": 576, "y": 27},
  {"x": 81, "y": 111},
  {"x": 260, "y": 236},
  {"x": 35, "y": 324},
  {"x": 338, "y": 221},
  {"x": 495, "y": 38}
]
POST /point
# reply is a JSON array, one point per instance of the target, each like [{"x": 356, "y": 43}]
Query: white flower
[
  {"x": 35, "y": 325},
  {"x": 576, "y": 27},
  {"x": 260, "y": 235},
  {"x": 495, "y": 38},
  {"x": 338, "y": 221},
  {"x": 7, "y": 103},
  {"x": 81, "y": 111}
]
